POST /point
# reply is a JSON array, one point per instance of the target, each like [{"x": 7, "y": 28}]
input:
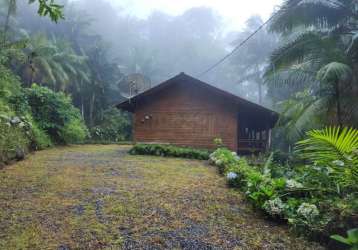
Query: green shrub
[
  {"x": 351, "y": 239},
  {"x": 169, "y": 151},
  {"x": 333, "y": 150},
  {"x": 39, "y": 138},
  {"x": 307, "y": 196},
  {"x": 224, "y": 159},
  {"x": 13, "y": 139},
  {"x": 74, "y": 131},
  {"x": 55, "y": 114},
  {"x": 19, "y": 133},
  {"x": 114, "y": 127},
  {"x": 10, "y": 86}
]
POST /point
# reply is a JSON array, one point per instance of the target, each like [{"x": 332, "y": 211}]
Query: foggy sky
[{"x": 234, "y": 12}]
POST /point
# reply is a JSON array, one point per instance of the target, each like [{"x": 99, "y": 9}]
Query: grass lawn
[{"x": 99, "y": 197}]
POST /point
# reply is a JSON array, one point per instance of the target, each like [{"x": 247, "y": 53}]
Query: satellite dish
[{"x": 134, "y": 84}]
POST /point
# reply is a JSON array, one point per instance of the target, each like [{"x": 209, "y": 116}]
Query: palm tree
[
  {"x": 319, "y": 55},
  {"x": 52, "y": 62}
]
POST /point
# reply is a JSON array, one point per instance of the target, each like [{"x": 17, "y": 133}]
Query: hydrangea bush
[
  {"x": 298, "y": 195},
  {"x": 308, "y": 211},
  {"x": 275, "y": 207},
  {"x": 292, "y": 184}
]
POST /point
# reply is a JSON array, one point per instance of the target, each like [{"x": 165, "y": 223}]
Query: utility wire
[
  {"x": 239, "y": 46},
  {"x": 250, "y": 36}
]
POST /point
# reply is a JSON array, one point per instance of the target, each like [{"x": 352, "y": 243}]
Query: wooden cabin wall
[{"x": 186, "y": 115}]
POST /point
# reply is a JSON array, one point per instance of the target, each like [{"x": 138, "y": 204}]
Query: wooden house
[{"x": 185, "y": 111}]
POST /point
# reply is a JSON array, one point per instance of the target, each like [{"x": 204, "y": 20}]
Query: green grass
[{"x": 99, "y": 197}]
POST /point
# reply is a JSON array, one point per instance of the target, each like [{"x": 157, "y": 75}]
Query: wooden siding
[{"x": 185, "y": 115}]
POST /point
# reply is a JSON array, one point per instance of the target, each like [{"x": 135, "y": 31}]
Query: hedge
[{"x": 169, "y": 151}]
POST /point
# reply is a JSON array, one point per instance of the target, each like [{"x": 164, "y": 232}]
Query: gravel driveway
[{"x": 99, "y": 197}]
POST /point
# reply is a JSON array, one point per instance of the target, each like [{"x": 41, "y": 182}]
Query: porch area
[{"x": 254, "y": 133}]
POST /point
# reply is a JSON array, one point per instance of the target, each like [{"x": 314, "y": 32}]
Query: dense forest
[
  {"x": 64, "y": 65},
  {"x": 78, "y": 55}
]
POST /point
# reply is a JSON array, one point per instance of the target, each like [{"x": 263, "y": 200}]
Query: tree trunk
[
  {"x": 82, "y": 108},
  {"x": 10, "y": 10},
  {"x": 338, "y": 104},
  {"x": 7, "y": 20},
  {"x": 93, "y": 98},
  {"x": 31, "y": 75}
]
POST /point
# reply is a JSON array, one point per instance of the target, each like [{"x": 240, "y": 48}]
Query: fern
[
  {"x": 330, "y": 144},
  {"x": 337, "y": 150}
]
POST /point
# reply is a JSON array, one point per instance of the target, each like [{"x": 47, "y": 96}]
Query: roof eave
[
  {"x": 126, "y": 106},
  {"x": 129, "y": 106}
]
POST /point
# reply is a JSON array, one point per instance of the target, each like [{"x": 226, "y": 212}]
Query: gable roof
[{"x": 129, "y": 104}]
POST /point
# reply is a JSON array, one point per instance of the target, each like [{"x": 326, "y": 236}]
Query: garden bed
[{"x": 302, "y": 195}]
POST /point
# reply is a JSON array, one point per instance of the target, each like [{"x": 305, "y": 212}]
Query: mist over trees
[
  {"x": 89, "y": 52},
  {"x": 64, "y": 64},
  {"x": 285, "y": 65},
  {"x": 161, "y": 45}
]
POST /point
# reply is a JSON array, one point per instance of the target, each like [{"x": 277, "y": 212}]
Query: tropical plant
[
  {"x": 299, "y": 113},
  {"x": 336, "y": 150},
  {"x": 114, "y": 127},
  {"x": 52, "y": 62},
  {"x": 102, "y": 85},
  {"x": 319, "y": 56},
  {"x": 55, "y": 114},
  {"x": 331, "y": 144},
  {"x": 351, "y": 239},
  {"x": 302, "y": 194},
  {"x": 12, "y": 140}
]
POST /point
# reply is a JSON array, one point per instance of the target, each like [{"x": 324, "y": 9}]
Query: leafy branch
[{"x": 49, "y": 8}]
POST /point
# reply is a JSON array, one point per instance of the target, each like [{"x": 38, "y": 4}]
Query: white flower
[
  {"x": 212, "y": 157},
  {"x": 231, "y": 176},
  {"x": 317, "y": 168},
  {"x": 329, "y": 170},
  {"x": 235, "y": 155},
  {"x": 307, "y": 210},
  {"x": 218, "y": 162},
  {"x": 15, "y": 120},
  {"x": 291, "y": 184},
  {"x": 274, "y": 207},
  {"x": 338, "y": 163}
]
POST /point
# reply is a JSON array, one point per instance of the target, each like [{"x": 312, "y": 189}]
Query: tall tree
[
  {"x": 251, "y": 61},
  {"x": 319, "y": 56},
  {"x": 51, "y": 62},
  {"x": 10, "y": 11}
]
